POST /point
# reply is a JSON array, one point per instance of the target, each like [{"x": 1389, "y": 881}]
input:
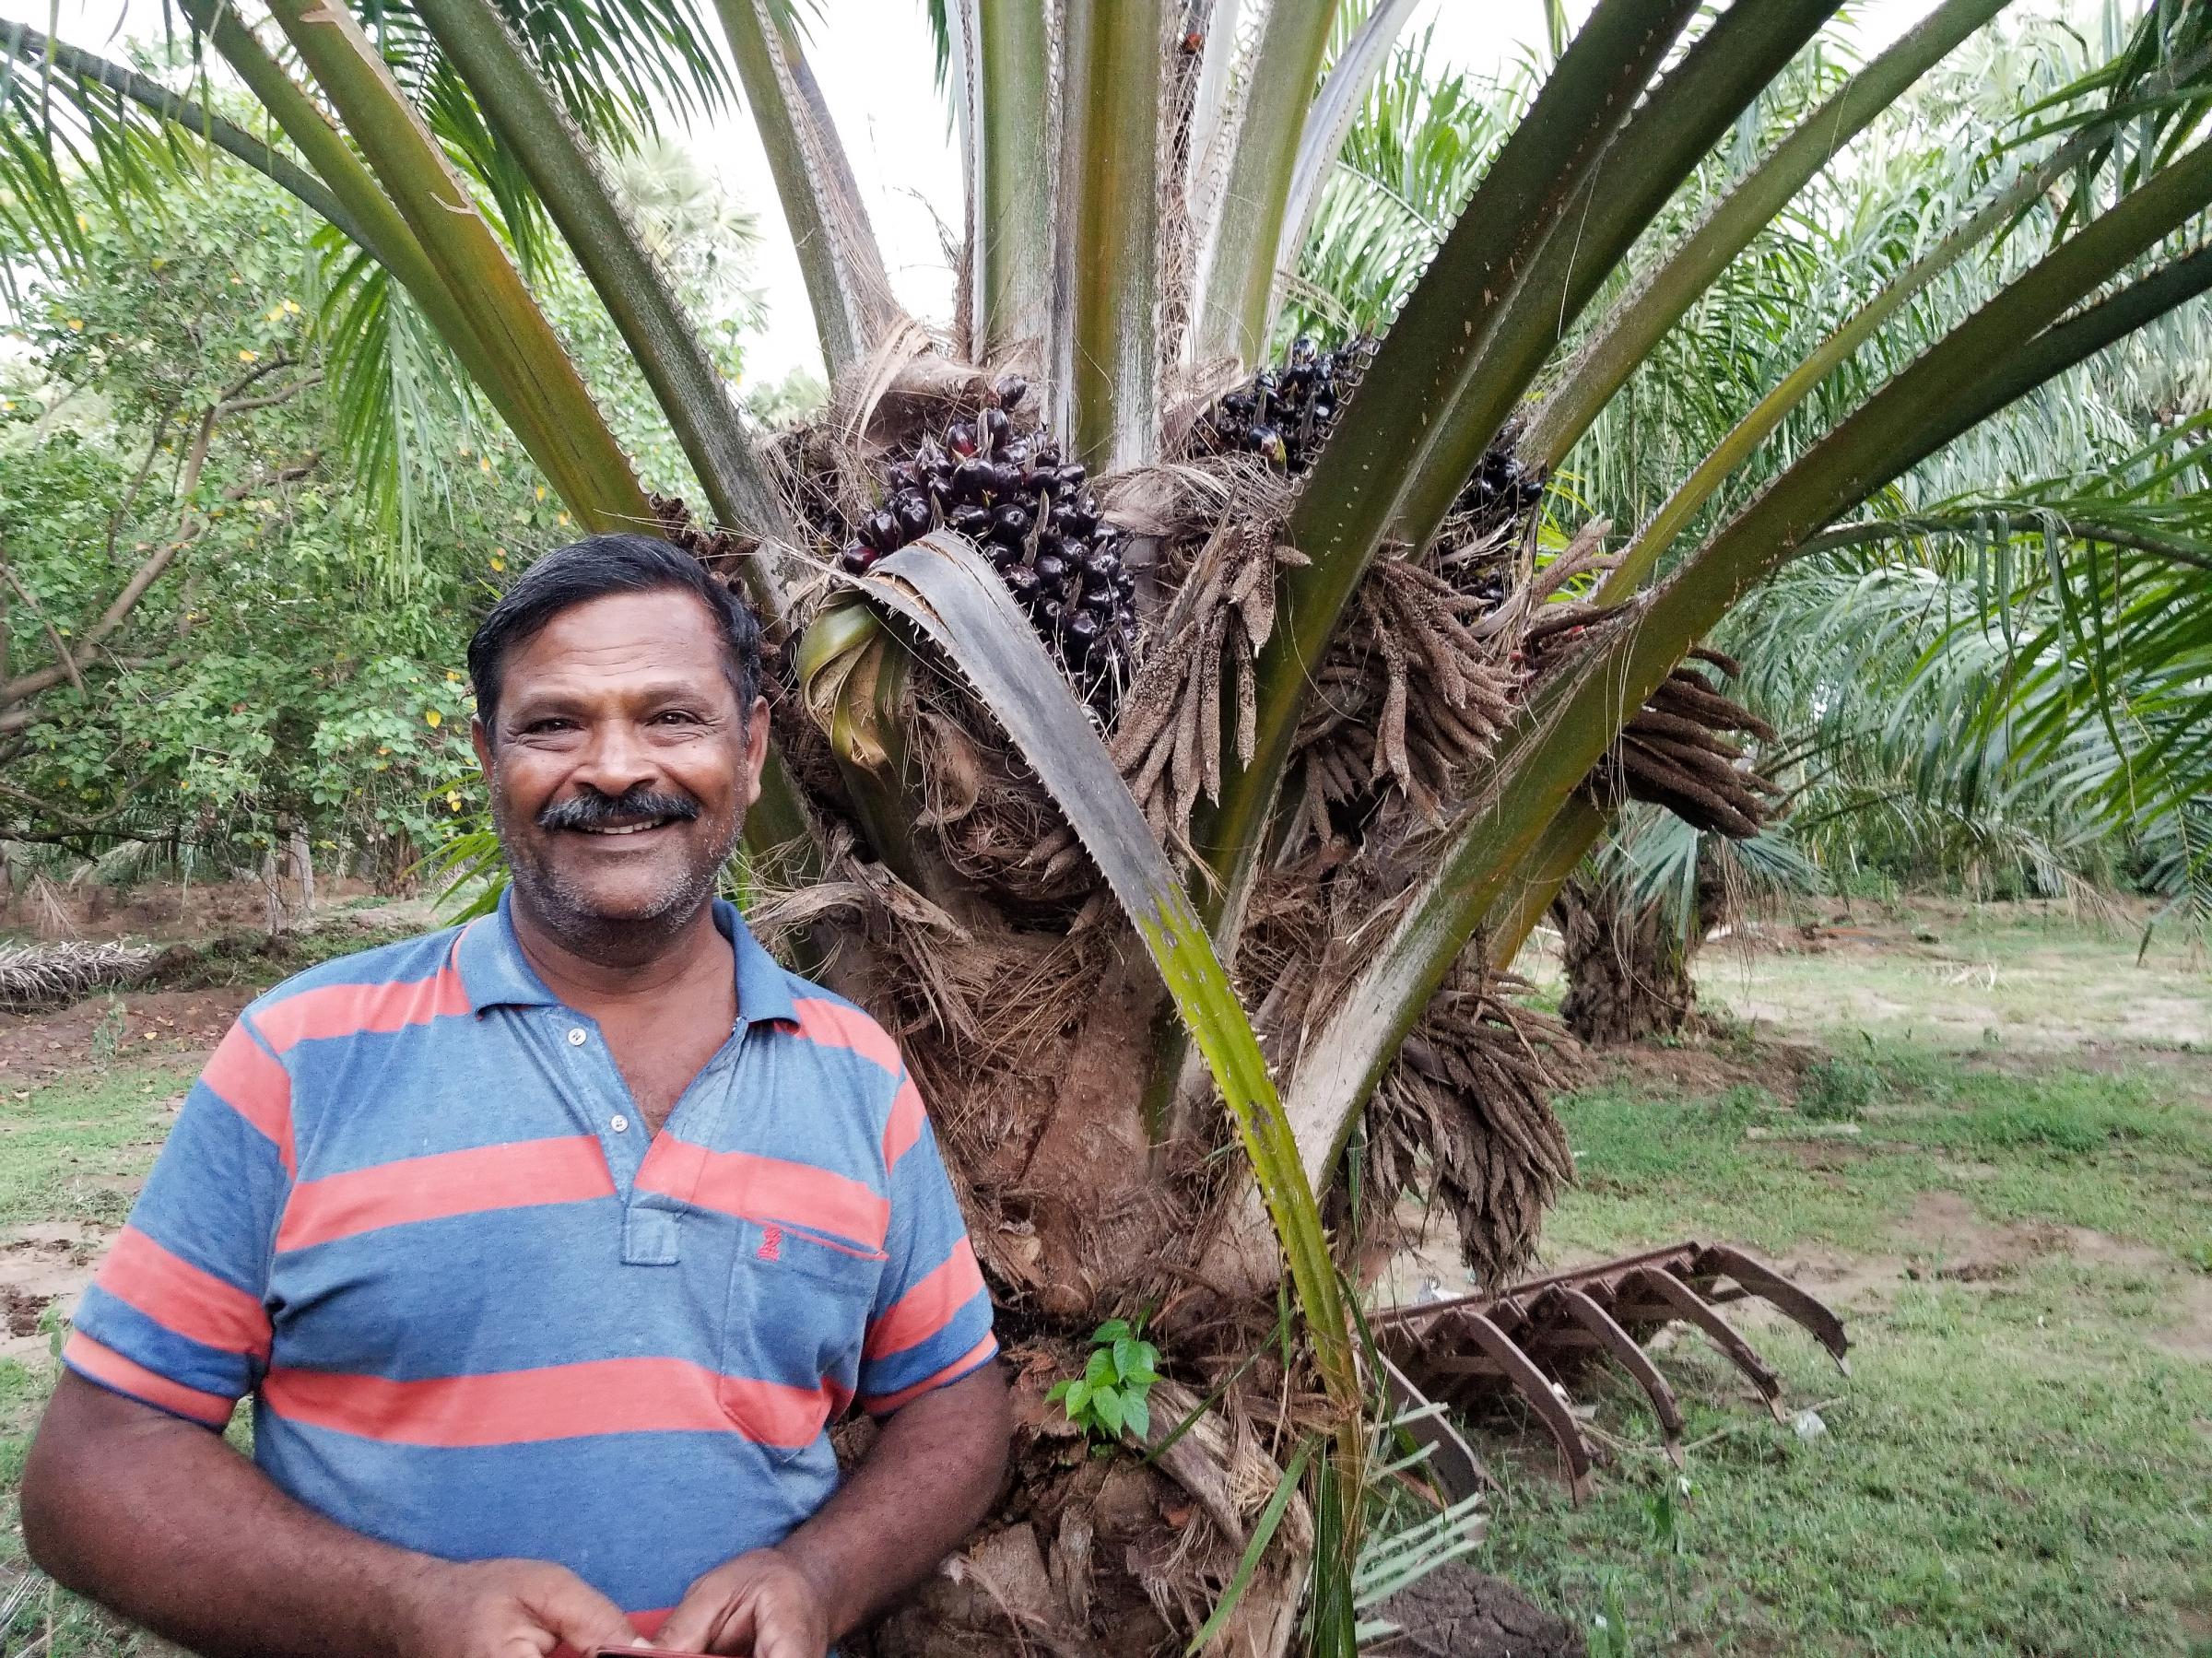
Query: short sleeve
[
  {"x": 931, "y": 1322},
  {"x": 175, "y": 1317}
]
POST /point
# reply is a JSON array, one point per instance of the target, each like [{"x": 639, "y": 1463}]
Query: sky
[{"x": 873, "y": 58}]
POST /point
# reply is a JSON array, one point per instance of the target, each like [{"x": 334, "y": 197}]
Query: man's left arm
[{"x": 928, "y": 1482}]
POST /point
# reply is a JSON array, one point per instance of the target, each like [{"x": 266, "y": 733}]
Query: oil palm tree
[{"x": 1156, "y": 930}]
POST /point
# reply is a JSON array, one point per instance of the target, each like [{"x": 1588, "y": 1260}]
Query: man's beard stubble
[{"x": 564, "y": 908}]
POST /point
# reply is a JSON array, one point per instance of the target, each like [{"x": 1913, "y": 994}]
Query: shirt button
[
  {"x": 576, "y": 1037},
  {"x": 620, "y": 1124}
]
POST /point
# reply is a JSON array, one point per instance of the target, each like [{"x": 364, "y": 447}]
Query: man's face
[{"x": 622, "y": 765}]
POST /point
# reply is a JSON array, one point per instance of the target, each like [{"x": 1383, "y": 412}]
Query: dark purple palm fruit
[
  {"x": 911, "y": 507},
  {"x": 1011, "y": 391},
  {"x": 880, "y": 530},
  {"x": 858, "y": 557},
  {"x": 1082, "y": 631},
  {"x": 1264, "y": 440}
]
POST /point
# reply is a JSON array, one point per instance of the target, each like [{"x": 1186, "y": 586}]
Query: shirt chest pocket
[{"x": 797, "y": 1317}]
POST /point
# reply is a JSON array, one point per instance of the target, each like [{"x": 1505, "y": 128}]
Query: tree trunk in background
[{"x": 1627, "y": 967}]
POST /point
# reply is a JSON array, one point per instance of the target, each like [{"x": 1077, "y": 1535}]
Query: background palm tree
[{"x": 1364, "y": 721}]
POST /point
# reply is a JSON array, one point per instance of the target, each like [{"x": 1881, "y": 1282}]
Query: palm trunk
[{"x": 1627, "y": 965}]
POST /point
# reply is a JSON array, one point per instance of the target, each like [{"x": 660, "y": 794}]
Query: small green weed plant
[{"x": 1114, "y": 1394}]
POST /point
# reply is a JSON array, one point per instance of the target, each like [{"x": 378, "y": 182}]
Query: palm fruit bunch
[
  {"x": 1502, "y": 491},
  {"x": 1283, "y": 413},
  {"x": 1034, "y": 516}
]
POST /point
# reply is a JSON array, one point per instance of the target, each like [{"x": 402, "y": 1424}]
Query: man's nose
[{"x": 616, "y": 759}]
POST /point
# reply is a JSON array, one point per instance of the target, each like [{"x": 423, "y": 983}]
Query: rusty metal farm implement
[{"x": 1535, "y": 1339}]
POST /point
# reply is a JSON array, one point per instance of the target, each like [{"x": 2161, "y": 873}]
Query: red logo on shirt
[{"x": 772, "y": 1243}]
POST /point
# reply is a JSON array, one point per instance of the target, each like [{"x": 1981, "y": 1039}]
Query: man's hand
[
  {"x": 760, "y": 1603},
  {"x": 504, "y": 1609}
]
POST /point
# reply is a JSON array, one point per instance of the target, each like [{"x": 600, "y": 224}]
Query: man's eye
[
  {"x": 675, "y": 716},
  {"x": 549, "y": 724}
]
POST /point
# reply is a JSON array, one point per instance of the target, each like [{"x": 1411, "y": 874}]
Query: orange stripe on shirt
[
  {"x": 241, "y": 1074},
  {"x": 333, "y": 1010},
  {"x": 908, "y": 1116},
  {"x": 758, "y": 1188},
  {"x": 105, "y": 1365},
  {"x": 882, "y": 1404},
  {"x": 522, "y": 1174},
  {"x": 183, "y": 1298},
  {"x": 834, "y": 1025},
  {"x": 934, "y": 1302},
  {"x": 558, "y": 1402}
]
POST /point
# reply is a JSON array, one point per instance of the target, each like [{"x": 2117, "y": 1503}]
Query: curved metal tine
[
  {"x": 1688, "y": 1305},
  {"x": 1798, "y": 1305},
  {"x": 1631, "y": 1358},
  {"x": 1452, "y": 1460},
  {"x": 1535, "y": 1387}
]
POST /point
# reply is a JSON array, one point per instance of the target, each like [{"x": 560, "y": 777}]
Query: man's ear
[
  {"x": 480, "y": 740},
  {"x": 756, "y": 748}
]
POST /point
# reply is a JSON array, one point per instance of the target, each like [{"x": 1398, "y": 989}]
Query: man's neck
[{"x": 625, "y": 967}]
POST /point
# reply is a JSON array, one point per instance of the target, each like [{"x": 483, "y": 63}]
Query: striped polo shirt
[{"x": 411, "y": 1208}]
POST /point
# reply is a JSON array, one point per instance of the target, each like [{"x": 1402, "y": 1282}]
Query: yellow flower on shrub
[{"x": 433, "y": 718}]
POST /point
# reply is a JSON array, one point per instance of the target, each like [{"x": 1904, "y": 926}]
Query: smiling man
[{"x": 548, "y": 1246}]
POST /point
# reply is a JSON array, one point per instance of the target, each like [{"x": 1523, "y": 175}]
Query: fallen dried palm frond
[{"x": 51, "y": 975}]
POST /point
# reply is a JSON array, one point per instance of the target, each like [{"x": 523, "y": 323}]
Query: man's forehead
[{"x": 630, "y": 630}]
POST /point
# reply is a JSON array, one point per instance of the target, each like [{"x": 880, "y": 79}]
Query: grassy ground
[
  {"x": 1986, "y": 1135},
  {"x": 1990, "y": 1145}
]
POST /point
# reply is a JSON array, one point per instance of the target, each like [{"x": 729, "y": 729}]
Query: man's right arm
[{"x": 161, "y": 1520}]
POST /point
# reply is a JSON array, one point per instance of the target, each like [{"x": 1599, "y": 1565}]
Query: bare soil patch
[
  {"x": 40, "y": 1264},
  {"x": 36, "y": 1046},
  {"x": 1702, "y": 1068},
  {"x": 1458, "y": 1612}
]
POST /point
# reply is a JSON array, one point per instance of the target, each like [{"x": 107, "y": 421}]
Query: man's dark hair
[{"x": 593, "y": 568}]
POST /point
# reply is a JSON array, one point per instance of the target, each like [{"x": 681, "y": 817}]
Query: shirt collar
[{"x": 495, "y": 973}]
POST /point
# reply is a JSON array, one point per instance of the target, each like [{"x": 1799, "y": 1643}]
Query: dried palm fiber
[
  {"x": 1412, "y": 696},
  {"x": 1673, "y": 752},
  {"x": 986, "y": 997},
  {"x": 51, "y": 975},
  {"x": 993, "y": 822},
  {"x": 979, "y": 1012},
  {"x": 1463, "y": 1117},
  {"x": 1170, "y": 739},
  {"x": 1451, "y": 620}
]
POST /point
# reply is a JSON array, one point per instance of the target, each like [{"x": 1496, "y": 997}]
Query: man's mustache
[{"x": 593, "y": 810}]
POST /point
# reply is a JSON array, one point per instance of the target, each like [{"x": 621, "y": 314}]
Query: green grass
[
  {"x": 2109, "y": 1150},
  {"x": 2018, "y": 1465},
  {"x": 70, "y": 1147},
  {"x": 2000, "y": 1475}
]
